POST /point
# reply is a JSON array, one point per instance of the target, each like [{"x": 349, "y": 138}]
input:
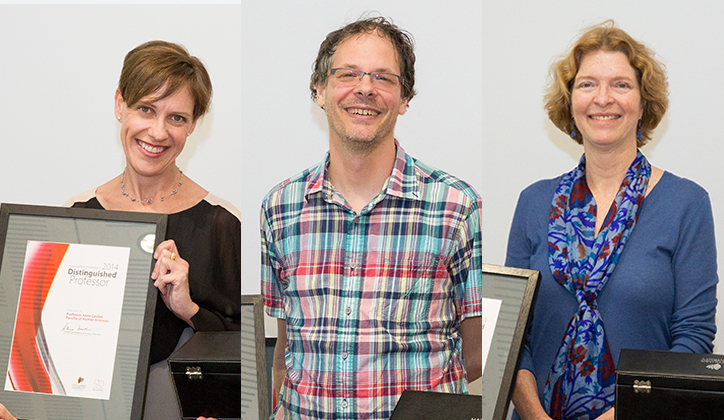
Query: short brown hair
[
  {"x": 158, "y": 64},
  {"x": 650, "y": 74},
  {"x": 402, "y": 41}
]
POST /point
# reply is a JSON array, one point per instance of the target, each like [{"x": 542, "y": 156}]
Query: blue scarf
[{"x": 581, "y": 382}]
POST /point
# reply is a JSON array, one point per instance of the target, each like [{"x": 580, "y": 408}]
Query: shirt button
[
  {"x": 344, "y": 404},
  {"x": 353, "y": 266},
  {"x": 348, "y": 310},
  {"x": 345, "y": 355},
  {"x": 356, "y": 220}
]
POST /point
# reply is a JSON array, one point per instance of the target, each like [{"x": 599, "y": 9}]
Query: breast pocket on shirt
[
  {"x": 410, "y": 289},
  {"x": 306, "y": 283}
]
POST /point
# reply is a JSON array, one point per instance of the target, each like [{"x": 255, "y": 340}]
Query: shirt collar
[{"x": 403, "y": 181}]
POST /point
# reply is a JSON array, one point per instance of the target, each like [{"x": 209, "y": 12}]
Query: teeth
[
  {"x": 362, "y": 111},
  {"x": 147, "y": 147},
  {"x": 604, "y": 117}
]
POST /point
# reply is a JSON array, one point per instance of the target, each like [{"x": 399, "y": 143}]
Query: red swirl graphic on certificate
[{"x": 68, "y": 319}]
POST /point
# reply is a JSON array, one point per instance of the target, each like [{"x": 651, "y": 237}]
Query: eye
[
  {"x": 178, "y": 118},
  {"x": 346, "y": 73},
  {"x": 584, "y": 85},
  {"x": 383, "y": 77},
  {"x": 144, "y": 109}
]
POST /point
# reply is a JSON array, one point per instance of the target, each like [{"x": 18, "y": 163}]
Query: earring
[
  {"x": 573, "y": 131},
  {"x": 638, "y": 131},
  {"x": 118, "y": 118}
]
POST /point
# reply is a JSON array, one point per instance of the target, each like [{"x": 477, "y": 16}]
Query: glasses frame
[{"x": 371, "y": 73}]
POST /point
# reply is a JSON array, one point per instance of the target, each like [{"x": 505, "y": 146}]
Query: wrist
[{"x": 189, "y": 313}]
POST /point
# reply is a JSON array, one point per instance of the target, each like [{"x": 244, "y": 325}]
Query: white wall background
[
  {"x": 59, "y": 67},
  {"x": 520, "y": 41}
]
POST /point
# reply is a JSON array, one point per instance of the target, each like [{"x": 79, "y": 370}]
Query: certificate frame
[
  {"x": 253, "y": 360},
  {"x": 20, "y": 223},
  {"x": 517, "y": 289}
]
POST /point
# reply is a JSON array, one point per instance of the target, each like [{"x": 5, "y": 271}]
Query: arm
[
  {"x": 525, "y": 397},
  {"x": 471, "y": 333},
  {"x": 279, "y": 366},
  {"x": 202, "y": 284},
  {"x": 216, "y": 277},
  {"x": 695, "y": 274},
  {"x": 525, "y": 393}
]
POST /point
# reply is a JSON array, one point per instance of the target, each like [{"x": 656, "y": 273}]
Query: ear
[
  {"x": 120, "y": 105},
  {"x": 320, "y": 94},
  {"x": 642, "y": 106},
  {"x": 192, "y": 127},
  {"x": 403, "y": 106}
]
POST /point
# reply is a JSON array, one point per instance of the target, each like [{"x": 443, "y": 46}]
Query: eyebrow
[
  {"x": 356, "y": 67},
  {"x": 151, "y": 105}
]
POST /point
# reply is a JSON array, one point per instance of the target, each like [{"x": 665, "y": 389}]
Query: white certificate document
[
  {"x": 491, "y": 309},
  {"x": 68, "y": 318}
]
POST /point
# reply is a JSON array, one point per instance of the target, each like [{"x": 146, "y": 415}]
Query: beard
[{"x": 361, "y": 139}]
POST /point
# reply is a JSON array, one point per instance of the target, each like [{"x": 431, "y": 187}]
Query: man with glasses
[{"x": 371, "y": 260}]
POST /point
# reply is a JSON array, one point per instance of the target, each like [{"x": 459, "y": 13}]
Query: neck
[
  {"x": 359, "y": 176},
  {"x": 150, "y": 189},
  {"x": 605, "y": 169}
]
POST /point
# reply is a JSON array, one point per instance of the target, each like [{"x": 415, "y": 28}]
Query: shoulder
[
  {"x": 671, "y": 186},
  {"x": 541, "y": 191},
  {"x": 433, "y": 178},
  {"x": 292, "y": 190},
  {"x": 674, "y": 197},
  {"x": 211, "y": 211},
  {"x": 82, "y": 199},
  {"x": 222, "y": 206}
]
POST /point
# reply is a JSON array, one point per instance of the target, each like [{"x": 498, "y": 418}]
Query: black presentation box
[
  {"x": 666, "y": 385},
  {"x": 207, "y": 375},
  {"x": 423, "y": 405}
]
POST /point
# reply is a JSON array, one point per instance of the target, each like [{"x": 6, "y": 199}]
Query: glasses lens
[
  {"x": 386, "y": 80},
  {"x": 350, "y": 76},
  {"x": 353, "y": 76}
]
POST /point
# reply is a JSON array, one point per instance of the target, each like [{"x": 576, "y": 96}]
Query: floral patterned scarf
[{"x": 581, "y": 382}]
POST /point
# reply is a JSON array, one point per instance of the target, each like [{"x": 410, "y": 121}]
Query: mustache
[{"x": 369, "y": 102}]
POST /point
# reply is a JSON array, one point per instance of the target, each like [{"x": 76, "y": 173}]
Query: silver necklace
[{"x": 149, "y": 200}]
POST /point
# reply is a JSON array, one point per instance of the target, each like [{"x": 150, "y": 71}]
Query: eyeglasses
[{"x": 351, "y": 77}]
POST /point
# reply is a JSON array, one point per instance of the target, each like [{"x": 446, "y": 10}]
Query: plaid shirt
[{"x": 372, "y": 301}]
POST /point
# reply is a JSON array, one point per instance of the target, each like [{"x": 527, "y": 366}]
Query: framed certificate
[
  {"x": 508, "y": 298},
  {"x": 76, "y": 311}
]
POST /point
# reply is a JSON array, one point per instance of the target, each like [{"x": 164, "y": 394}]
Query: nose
[
  {"x": 157, "y": 129},
  {"x": 365, "y": 86},
  {"x": 603, "y": 95}
]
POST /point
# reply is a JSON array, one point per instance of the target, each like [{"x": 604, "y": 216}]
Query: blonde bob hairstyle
[{"x": 650, "y": 74}]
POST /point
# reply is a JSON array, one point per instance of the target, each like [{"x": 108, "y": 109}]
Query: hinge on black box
[
  {"x": 642, "y": 387},
  {"x": 194, "y": 372}
]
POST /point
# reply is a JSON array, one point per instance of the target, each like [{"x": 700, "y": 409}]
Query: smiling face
[
  {"x": 153, "y": 132},
  {"x": 363, "y": 115},
  {"x": 606, "y": 100}
]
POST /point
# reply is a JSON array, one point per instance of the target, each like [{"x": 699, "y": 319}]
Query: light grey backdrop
[{"x": 60, "y": 67}]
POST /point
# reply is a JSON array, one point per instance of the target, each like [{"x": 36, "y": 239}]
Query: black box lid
[{"x": 668, "y": 369}]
